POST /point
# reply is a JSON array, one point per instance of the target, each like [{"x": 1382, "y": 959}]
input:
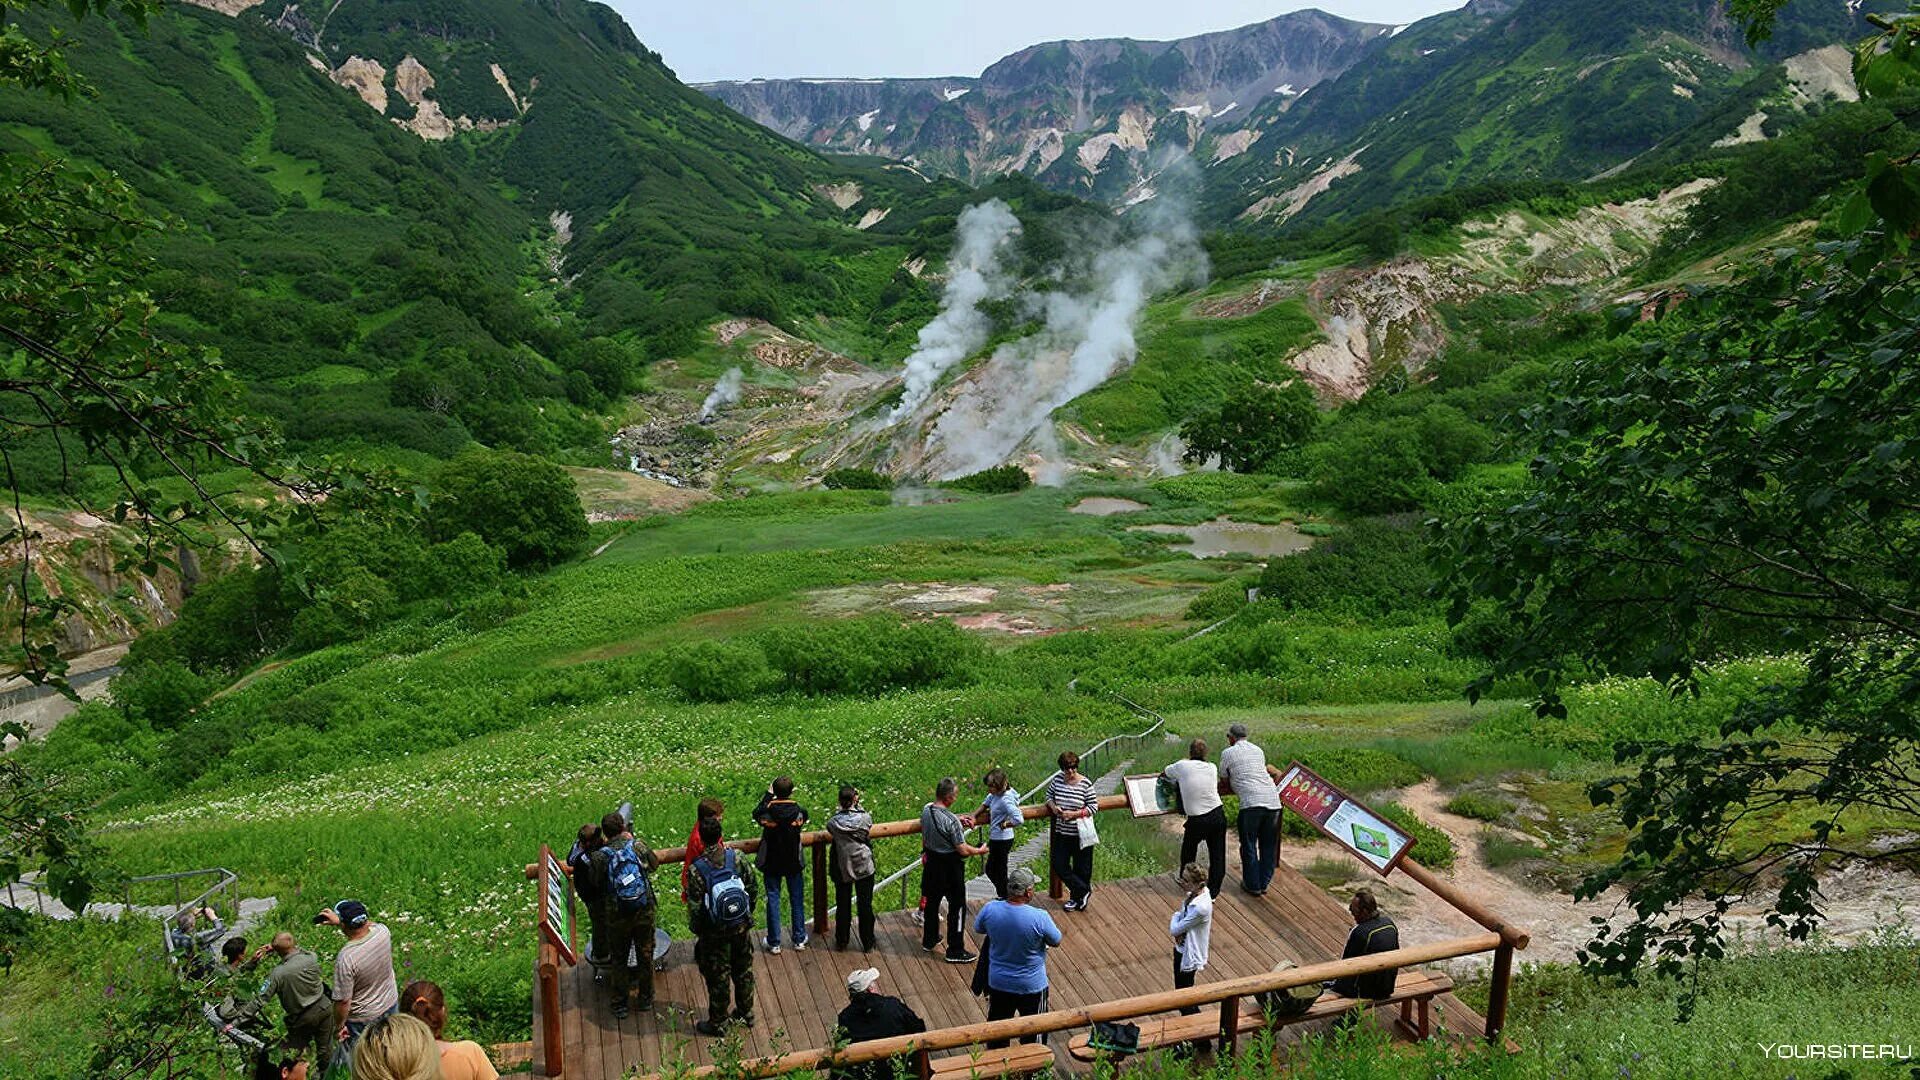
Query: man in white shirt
[
  {"x": 1206, "y": 816},
  {"x": 1244, "y": 772}
]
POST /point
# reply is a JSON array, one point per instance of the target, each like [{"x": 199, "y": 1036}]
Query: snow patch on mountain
[{"x": 955, "y": 93}]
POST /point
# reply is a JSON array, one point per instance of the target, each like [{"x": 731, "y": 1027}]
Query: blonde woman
[
  {"x": 463, "y": 1060},
  {"x": 396, "y": 1047}
]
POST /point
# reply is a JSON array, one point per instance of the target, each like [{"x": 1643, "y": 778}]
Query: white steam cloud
[
  {"x": 974, "y": 275},
  {"x": 1087, "y": 339},
  {"x": 725, "y": 392}
]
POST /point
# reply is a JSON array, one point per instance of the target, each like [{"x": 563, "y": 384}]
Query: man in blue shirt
[{"x": 1018, "y": 936}]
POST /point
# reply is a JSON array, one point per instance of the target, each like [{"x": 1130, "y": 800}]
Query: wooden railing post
[
  {"x": 820, "y": 889},
  {"x": 552, "y": 1038},
  {"x": 1497, "y": 994},
  {"x": 1229, "y": 1026}
]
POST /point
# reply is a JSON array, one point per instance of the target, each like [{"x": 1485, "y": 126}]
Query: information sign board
[
  {"x": 556, "y": 905},
  {"x": 1377, "y": 841}
]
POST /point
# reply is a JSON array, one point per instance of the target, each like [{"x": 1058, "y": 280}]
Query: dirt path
[{"x": 1861, "y": 899}]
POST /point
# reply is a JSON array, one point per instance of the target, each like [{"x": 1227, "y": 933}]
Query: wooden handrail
[
  {"x": 1512, "y": 935},
  {"x": 1045, "y": 1023}
]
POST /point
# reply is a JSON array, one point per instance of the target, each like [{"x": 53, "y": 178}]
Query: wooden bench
[
  {"x": 1413, "y": 991},
  {"x": 1021, "y": 1059}
]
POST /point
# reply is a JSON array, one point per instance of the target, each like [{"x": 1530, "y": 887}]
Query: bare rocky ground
[{"x": 1861, "y": 899}]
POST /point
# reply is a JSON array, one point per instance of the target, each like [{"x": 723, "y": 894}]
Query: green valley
[{"x": 431, "y": 425}]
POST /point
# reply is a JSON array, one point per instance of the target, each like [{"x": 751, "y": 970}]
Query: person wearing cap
[
  {"x": 872, "y": 1015},
  {"x": 1018, "y": 936},
  {"x": 364, "y": 989},
  {"x": 1244, "y": 772}
]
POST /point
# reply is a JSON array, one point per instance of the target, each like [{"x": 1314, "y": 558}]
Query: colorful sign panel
[
  {"x": 1374, "y": 839},
  {"x": 556, "y": 905}
]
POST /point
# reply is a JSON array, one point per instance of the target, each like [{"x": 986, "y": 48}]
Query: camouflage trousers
[{"x": 726, "y": 960}]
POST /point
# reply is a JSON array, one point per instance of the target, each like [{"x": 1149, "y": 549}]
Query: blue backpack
[
  {"x": 727, "y": 904},
  {"x": 627, "y": 881}
]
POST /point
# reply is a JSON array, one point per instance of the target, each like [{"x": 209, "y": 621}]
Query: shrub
[
  {"x": 161, "y": 693},
  {"x": 717, "y": 670},
  {"x": 523, "y": 505},
  {"x": 999, "y": 480},
  {"x": 1219, "y": 602},
  {"x": 1479, "y": 806},
  {"x": 871, "y": 656},
  {"x": 1370, "y": 467},
  {"x": 1254, "y": 426},
  {"x": 857, "y": 480},
  {"x": 1432, "y": 848},
  {"x": 1497, "y": 849},
  {"x": 1369, "y": 569}
]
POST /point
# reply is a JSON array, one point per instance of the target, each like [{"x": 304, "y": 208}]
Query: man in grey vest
[{"x": 1244, "y": 772}]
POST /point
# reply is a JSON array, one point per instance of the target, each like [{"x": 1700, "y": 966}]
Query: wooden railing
[
  {"x": 1228, "y": 995},
  {"x": 1502, "y": 939}
]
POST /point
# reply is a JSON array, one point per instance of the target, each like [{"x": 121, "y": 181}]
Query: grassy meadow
[{"x": 421, "y": 768}]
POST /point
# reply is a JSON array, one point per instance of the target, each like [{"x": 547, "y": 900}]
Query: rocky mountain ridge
[{"x": 1086, "y": 117}]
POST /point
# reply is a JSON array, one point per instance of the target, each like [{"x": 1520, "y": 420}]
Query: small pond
[
  {"x": 1220, "y": 536},
  {"x": 1105, "y": 506}
]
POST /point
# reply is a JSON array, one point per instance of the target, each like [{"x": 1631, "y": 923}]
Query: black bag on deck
[
  {"x": 1115, "y": 1038},
  {"x": 980, "y": 968}
]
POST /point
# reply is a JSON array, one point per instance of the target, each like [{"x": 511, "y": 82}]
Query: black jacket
[
  {"x": 781, "y": 822},
  {"x": 875, "y": 1016},
  {"x": 1376, "y": 935}
]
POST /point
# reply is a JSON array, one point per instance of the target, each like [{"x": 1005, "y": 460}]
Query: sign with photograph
[
  {"x": 1377, "y": 841},
  {"x": 556, "y": 904},
  {"x": 1150, "y": 796}
]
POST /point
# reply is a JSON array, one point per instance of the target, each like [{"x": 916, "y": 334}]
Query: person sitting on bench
[{"x": 1373, "y": 932}]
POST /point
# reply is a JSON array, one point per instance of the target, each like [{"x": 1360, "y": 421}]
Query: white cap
[{"x": 862, "y": 980}]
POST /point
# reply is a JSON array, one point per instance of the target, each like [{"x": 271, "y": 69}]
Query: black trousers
[
  {"x": 846, "y": 895},
  {"x": 998, "y": 852},
  {"x": 1072, "y": 864},
  {"x": 944, "y": 878},
  {"x": 1182, "y": 980},
  {"x": 1209, "y": 828},
  {"x": 1003, "y": 1005}
]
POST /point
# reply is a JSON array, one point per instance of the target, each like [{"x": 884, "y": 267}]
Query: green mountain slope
[
  {"x": 1538, "y": 90},
  {"x": 400, "y": 249}
]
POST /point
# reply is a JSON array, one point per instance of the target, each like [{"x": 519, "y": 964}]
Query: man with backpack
[
  {"x": 721, "y": 892},
  {"x": 622, "y": 873}
]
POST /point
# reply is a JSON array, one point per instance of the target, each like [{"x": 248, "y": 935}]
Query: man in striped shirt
[{"x": 1070, "y": 797}]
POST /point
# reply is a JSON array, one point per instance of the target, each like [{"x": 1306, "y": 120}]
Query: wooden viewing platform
[{"x": 1116, "y": 949}]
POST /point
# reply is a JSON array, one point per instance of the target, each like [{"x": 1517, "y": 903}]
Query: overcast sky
[{"x": 704, "y": 40}]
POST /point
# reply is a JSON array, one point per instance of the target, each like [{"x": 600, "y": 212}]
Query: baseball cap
[
  {"x": 1021, "y": 880},
  {"x": 863, "y": 979},
  {"x": 352, "y": 913}
]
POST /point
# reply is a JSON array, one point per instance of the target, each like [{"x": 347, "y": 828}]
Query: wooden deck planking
[{"x": 1117, "y": 948}]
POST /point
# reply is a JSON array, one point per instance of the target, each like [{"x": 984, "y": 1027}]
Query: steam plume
[
  {"x": 973, "y": 275},
  {"x": 725, "y": 392},
  {"x": 1087, "y": 338}
]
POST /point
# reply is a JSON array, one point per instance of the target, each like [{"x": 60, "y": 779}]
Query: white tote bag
[{"x": 1089, "y": 836}]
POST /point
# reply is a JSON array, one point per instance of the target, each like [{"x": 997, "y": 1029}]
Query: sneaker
[
  {"x": 619, "y": 1010},
  {"x": 961, "y": 957},
  {"x": 773, "y": 948},
  {"x": 1070, "y": 905},
  {"x": 710, "y": 1029},
  {"x": 800, "y": 946},
  {"x": 744, "y": 1019},
  {"x": 929, "y": 948},
  {"x": 644, "y": 1005}
]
